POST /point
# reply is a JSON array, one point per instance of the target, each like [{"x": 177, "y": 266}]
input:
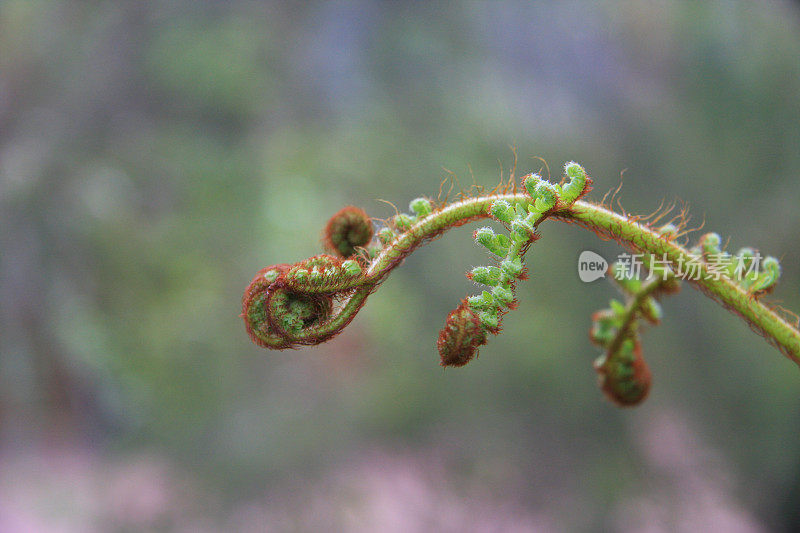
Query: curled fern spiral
[{"x": 309, "y": 302}]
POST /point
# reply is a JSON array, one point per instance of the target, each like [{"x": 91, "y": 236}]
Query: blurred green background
[{"x": 155, "y": 155}]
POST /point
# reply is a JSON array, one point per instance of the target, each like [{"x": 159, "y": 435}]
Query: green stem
[
  {"x": 761, "y": 318},
  {"x": 592, "y": 216},
  {"x": 610, "y": 224},
  {"x": 632, "y": 311}
]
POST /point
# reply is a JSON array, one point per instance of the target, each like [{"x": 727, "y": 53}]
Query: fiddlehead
[
  {"x": 624, "y": 376},
  {"x": 347, "y": 231},
  {"x": 461, "y": 336},
  {"x": 306, "y": 303}
]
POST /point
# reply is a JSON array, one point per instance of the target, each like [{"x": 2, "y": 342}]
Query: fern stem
[
  {"x": 597, "y": 218},
  {"x": 607, "y": 223},
  {"x": 761, "y": 318}
]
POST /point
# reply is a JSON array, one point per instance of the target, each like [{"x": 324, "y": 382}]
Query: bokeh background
[{"x": 155, "y": 155}]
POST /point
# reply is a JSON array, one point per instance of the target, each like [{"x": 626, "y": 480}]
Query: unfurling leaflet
[{"x": 521, "y": 220}]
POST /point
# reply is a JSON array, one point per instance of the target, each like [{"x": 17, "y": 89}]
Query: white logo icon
[{"x": 591, "y": 266}]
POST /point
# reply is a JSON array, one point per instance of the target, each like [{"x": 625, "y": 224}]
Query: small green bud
[
  {"x": 484, "y": 235},
  {"x": 497, "y": 244},
  {"x": 351, "y": 268},
  {"x": 542, "y": 205},
  {"x": 489, "y": 320},
  {"x": 771, "y": 264},
  {"x": 503, "y": 211},
  {"x": 746, "y": 253},
  {"x": 421, "y": 206},
  {"x": 629, "y": 285},
  {"x": 403, "y": 221},
  {"x": 488, "y": 299},
  {"x": 625, "y": 354},
  {"x": 486, "y": 275},
  {"x": 618, "y": 307},
  {"x": 546, "y": 196},
  {"x": 604, "y": 327},
  {"x": 503, "y": 295},
  {"x": 572, "y": 190},
  {"x": 601, "y": 333},
  {"x": 475, "y": 302},
  {"x": 710, "y": 243},
  {"x": 502, "y": 244},
  {"x": 574, "y": 170},
  {"x": 531, "y": 181},
  {"x": 482, "y": 302},
  {"x": 479, "y": 274},
  {"x": 518, "y": 234},
  {"x": 512, "y": 267},
  {"x": 608, "y": 317},
  {"x": 386, "y": 235},
  {"x": 768, "y": 277},
  {"x": 742, "y": 262},
  {"x": 521, "y": 231}
]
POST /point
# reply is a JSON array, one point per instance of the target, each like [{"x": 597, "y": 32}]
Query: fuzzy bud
[
  {"x": 403, "y": 221},
  {"x": 351, "y": 268},
  {"x": 624, "y": 376},
  {"x": 386, "y": 235},
  {"x": 577, "y": 185},
  {"x": 503, "y": 295},
  {"x": 421, "y": 206},
  {"x": 485, "y": 275},
  {"x": 503, "y": 211},
  {"x": 768, "y": 277},
  {"x": 530, "y": 182},
  {"x": 461, "y": 336},
  {"x": 546, "y": 196},
  {"x": 497, "y": 244},
  {"x": 347, "y": 230},
  {"x": 522, "y": 230},
  {"x": 710, "y": 243},
  {"x": 512, "y": 267}
]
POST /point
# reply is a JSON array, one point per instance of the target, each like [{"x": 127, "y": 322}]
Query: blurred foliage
[{"x": 153, "y": 157}]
